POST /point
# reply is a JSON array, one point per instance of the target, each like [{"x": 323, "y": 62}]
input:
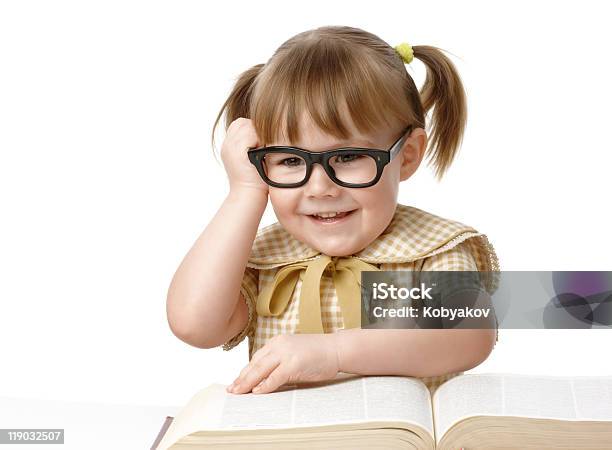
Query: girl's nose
[{"x": 319, "y": 184}]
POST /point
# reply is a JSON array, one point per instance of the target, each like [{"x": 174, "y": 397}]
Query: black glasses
[{"x": 353, "y": 167}]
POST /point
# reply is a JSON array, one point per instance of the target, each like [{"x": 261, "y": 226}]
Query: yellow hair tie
[{"x": 405, "y": 51}]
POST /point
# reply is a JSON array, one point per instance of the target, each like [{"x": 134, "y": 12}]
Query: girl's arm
[
  {"x": 205, "y": 307},
  {"x": 415, "y": 353},
  {"x": 204, "y": 304}
]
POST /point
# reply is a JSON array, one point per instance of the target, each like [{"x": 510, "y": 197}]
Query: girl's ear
[{"x": 412, "y": 153}]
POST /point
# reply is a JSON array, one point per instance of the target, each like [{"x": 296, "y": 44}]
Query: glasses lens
[
  {"x": 284, "y": 168},
  {"x": 354, "y": 168}
]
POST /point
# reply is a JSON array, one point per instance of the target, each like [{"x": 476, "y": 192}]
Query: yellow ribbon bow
[{"x": 346, "y": 274}]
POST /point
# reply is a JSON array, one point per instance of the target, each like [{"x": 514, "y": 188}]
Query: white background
[{"x": 107, "y": 175}]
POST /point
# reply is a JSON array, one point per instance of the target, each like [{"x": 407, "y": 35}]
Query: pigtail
[
  {"x": 444, "y": 92},
  {"x": 238, "y": 102}
]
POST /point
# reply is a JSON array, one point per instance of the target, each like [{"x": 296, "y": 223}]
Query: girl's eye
[
  {"x": 347, "y": 158},
  {"x": 291, "y": 162}
]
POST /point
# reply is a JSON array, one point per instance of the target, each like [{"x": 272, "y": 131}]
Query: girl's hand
[
  {"x": 241, "y": 136},
  {"x": 288, "y": 358}
]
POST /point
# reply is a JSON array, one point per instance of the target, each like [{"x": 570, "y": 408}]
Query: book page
[
  {"x": 593, "y": 398},
  {"x": 348, "y": 399},
  {"x": 203, "y": 408},
  {"x": 548, "y": 397},
  {"x": 398, "y": 398},
  {"x": 351, "y": 400}
]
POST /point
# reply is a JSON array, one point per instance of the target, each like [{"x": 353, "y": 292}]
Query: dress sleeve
[
  {"x": 457, "y": 258},
  {"x": 249, "y": 290}
]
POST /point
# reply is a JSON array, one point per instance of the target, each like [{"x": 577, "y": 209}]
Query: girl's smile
[{"x": 331, "y": 218}]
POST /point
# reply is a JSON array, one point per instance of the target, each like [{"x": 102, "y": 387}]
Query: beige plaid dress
[{"x": 415, "y": 240}]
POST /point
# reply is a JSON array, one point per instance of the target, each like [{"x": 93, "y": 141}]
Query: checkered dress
[{"x": 415, "y": 240}]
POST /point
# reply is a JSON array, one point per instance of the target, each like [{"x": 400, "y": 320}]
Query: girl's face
[{"x": 370, "y": 209}]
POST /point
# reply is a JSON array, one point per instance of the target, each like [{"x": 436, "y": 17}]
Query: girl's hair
[{"x": 319, "y": 70}]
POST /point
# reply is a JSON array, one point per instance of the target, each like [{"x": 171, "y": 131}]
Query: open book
[{"x": 475, "y": 411}]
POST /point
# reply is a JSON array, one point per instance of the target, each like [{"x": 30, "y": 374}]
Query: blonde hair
[{"x": 318, "y": 70}]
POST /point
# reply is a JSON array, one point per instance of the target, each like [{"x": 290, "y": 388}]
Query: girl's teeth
[
  {"x": 330, "y": 215},
  {"x": 334, "y": 214}
]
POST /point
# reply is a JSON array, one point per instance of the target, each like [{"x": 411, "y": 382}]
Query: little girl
[{"x": 326, "y": 129}]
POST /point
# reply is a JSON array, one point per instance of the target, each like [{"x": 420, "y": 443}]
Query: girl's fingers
[
  {"x": 254, "y": 373},
  {"x": 263, "y": 351},
  {"x": 277, "y": 378},
  {"x": 259, "y": 354}
]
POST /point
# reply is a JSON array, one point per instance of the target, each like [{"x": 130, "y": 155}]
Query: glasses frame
[{"x": 381, "y": 157}]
